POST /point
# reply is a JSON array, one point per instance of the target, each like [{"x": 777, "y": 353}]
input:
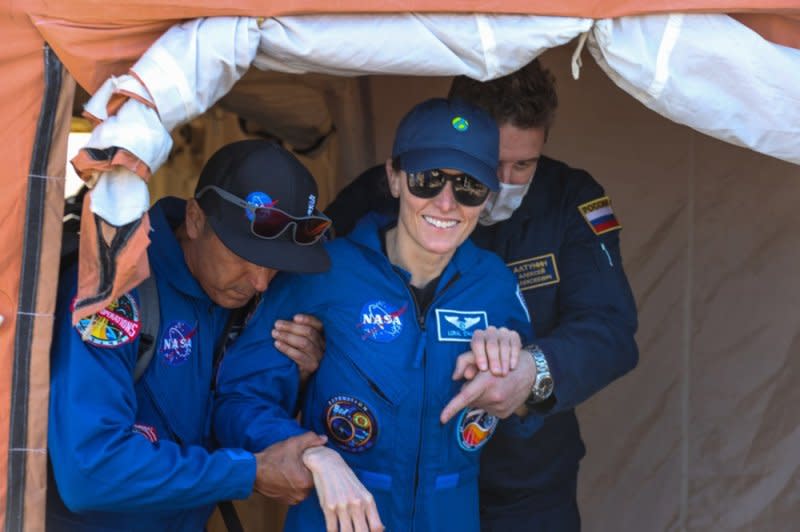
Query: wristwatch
[{"x": 542, "y": 387}]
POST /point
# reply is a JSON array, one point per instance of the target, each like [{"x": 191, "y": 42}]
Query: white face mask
[{"x": 502, "y": 204}]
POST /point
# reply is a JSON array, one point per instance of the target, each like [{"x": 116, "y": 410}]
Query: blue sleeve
[
  {"x": 257, "y": 386},
  {"x": 99, "y": 461},
  {"x": 593, "y": 343}
]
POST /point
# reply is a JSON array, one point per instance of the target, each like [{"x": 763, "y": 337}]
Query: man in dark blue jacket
[
  {"x": 555, "y": 228},
  {"x": 132, "y": 454}
]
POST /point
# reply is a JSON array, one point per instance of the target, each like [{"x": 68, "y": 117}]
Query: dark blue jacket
[
  {"x": 384, "y": 379},
  {"x": 137, "y": 456},
  {"x": 582, "y": 310},
  {"x": 585, "y": 317}
]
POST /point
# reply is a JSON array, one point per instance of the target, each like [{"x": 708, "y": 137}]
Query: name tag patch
[
  {"x": 599, "y": 215},
  {"x": 458, "y": 325},
  {"x": 536, "y": 271}
]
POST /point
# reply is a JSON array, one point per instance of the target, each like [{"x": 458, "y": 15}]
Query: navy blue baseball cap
[{"x": 440, "y": 133}]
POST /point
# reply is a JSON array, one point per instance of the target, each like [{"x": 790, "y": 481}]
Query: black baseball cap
[{"x": 261, "y": 173}]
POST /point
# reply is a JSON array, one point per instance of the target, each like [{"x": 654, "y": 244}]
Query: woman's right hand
[{"x": 345, "y": 502}]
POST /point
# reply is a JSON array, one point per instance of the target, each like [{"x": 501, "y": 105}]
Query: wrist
[
  {"x": 542, "y": 383},
  {"x": 314, "y": 456}
]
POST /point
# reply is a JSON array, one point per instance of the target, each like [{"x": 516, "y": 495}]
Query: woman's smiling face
[{"x": 436, "y": 225}]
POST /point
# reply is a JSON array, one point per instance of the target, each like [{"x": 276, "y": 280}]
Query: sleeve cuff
[
  {"x": 243, "y": 470},
  {"x": 522, "y": 427}
]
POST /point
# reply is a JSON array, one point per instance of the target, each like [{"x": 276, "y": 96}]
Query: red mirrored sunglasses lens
[
  {"x": 310, "y": 230},
  {"x": 270, "y": 223}
]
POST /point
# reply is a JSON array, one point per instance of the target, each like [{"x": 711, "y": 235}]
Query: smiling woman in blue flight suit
[{"x": 402, "y": 300}]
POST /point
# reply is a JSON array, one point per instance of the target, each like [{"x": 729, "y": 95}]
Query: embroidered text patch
[
  {"x": 458, "y": 325},
  {"x": 536, "y": 271}
]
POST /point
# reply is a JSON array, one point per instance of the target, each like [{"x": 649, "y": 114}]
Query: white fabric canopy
[
  {"x": 710, "y": 73},
  {"x": 706, "y": 71}
]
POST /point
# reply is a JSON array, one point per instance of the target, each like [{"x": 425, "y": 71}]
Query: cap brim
[
  {"x": 278, "y": 254},
  {"x": 429, "y": 159}
]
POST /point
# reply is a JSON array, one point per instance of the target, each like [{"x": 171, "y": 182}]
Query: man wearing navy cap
[{"x": 131, "y": 449}]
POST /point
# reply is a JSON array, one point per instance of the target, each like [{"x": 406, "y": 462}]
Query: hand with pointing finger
[{"x": 499, "y": 396}]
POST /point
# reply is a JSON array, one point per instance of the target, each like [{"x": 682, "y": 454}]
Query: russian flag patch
[{"x": 599, "y": 215}]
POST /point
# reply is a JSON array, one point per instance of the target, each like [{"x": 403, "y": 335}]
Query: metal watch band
[{"x": 543, "y": 384}]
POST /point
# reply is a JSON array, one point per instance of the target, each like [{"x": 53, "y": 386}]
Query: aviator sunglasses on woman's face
[{"x": 467, "y": 190}]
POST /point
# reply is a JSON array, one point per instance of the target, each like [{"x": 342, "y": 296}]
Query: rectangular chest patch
[
  {"x": 458, "y": 325},
  {"x": 535, "y": 272},
  {"x": 599, "y": 215}
]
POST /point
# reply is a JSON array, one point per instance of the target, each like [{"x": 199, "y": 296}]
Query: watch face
[{"x": 545, "y": 387}]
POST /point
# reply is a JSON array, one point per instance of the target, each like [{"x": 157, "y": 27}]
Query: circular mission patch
[
  {"x": 350, "y": 424},
  {"x": 117, "y": 324}
]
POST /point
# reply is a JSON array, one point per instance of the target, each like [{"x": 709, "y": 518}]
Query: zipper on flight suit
[
  {"x": 160, "y": 412},
  {"x": 420, "y": 315}
]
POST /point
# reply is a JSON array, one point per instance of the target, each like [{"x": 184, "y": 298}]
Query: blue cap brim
[{"x": 432, "y": 158}]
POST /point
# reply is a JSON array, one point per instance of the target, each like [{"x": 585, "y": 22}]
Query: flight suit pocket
[
  {"x": 356, "y": 407},
  {"x": 452, "y": 501}
]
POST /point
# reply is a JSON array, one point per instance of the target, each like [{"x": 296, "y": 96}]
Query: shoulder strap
[{"x": 150, "y": 313}]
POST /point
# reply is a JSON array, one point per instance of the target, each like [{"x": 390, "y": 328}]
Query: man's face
[
  {"x": 229, "y": 280},
  {"x": 520, "y": 150}
]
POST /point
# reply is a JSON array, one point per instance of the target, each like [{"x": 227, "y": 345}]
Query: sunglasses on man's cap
[
  {"x": 270, "y": 222},
  {"x": 467, "y": 190}
]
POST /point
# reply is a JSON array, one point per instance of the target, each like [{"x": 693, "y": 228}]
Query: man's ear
[
  {"x": 195, "y": 220},
  {"x": 394, "y": 179}
]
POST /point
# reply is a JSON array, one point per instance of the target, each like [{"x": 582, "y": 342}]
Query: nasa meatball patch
[
  {"x": 381, "y": 321},
  {"x": 117, "y": 324},
  {"x": 474, "y": 428},
  {"x": 350, "y": 424},
  {"x": 177, "y": 342}
]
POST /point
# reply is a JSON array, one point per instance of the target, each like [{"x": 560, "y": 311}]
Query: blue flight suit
[
  {"x": 383, "y": 382},
  {"x": 570, "y": 271},
  {"x": 137, "y": 456}
]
